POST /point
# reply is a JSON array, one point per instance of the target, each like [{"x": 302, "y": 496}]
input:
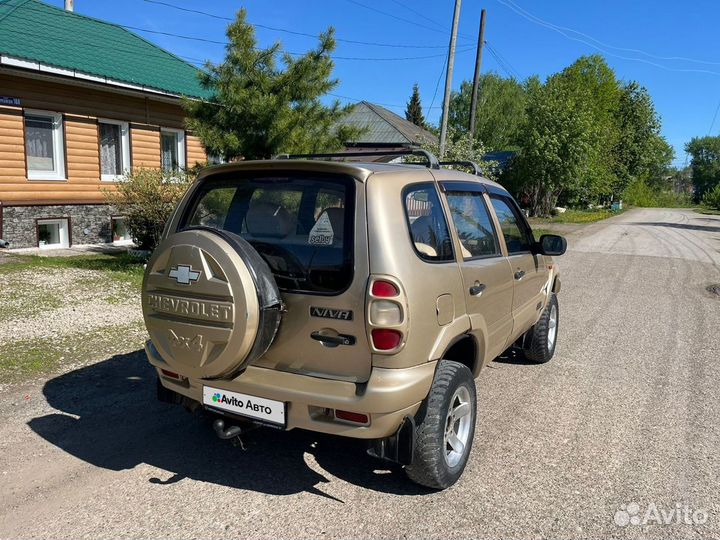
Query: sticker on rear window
[{"x": 322, "y": 232}]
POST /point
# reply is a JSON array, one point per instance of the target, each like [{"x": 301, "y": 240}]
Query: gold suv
[{"x": 356, "y": 299}]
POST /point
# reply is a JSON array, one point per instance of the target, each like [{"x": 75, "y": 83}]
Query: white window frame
[
  {"x": 58, "y": 136},
  {"x": 182, "y": 161},
  {"x": 63, "y": 231},
  {"x": 125, "y": 149}
]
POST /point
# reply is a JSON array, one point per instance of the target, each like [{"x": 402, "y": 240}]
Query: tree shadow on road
[
  {"x": 705, "y": 228},
  {"x": 109, "y": 417}
]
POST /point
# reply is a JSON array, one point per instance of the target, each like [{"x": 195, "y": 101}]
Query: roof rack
[
  {"x": 474, "y": 166},
  {"x": 432, "y": 161}
]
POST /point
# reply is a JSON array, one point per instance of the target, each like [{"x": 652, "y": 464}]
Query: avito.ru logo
[{"x": 681, "y": 514}]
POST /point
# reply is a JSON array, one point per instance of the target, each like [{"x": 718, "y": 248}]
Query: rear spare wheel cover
[{"x": 200, "y": 304}]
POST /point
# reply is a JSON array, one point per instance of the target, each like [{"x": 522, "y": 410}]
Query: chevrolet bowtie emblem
[{"x": 184, "y": 274}]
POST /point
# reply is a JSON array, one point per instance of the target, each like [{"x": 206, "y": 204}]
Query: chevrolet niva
[{"x": 355, "y": 299}]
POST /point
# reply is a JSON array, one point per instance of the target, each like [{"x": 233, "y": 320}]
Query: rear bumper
[{"x": 388, "y": 396}]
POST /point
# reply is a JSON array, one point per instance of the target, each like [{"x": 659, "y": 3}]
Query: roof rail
[
  {"x": 432, "y": 161},
  {"x": 474, "y": 166}
]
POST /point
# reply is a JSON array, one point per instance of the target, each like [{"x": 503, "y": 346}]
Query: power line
[
  {"x": 534, "y": 18},
  {"x": 712, "y": 124},
  {"x": 437, "y": 84},
  {"x": 195, "y": 38},
  {"x": 419, "y": 14},
  {"x": 402, "y": 19},
  {"x": 502, "y": 64},
  {"x": 560, "y": 30},
  {"x": 497, "y": 54},
  {"x": 295, "y": 32},
  {"x": 357, "y": 100}
]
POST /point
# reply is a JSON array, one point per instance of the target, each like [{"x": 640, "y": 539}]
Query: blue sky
[{"x": 671, "y": 48}]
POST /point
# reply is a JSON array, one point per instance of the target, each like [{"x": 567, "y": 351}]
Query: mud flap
[{"x": 398, "y": 447}]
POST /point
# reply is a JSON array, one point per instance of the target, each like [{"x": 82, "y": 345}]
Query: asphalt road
[{"x": 620, "y": 431}]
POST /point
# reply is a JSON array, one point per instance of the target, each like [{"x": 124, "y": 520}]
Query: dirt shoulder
[{"x": 59, "y": 313}]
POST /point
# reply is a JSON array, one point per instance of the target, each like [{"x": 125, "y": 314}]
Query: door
[
  {"x": 305, "y": 228},
  {"x": 530, "y": 275},
  {"x": 486, "y": 273}
]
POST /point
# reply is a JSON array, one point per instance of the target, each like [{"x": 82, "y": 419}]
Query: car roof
[{"x": 359, "y": 170}]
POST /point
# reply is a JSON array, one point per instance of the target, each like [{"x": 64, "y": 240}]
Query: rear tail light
[
  {"x": 384, "y": 289},
  {"x": 387, "y": 315},
  {"x": 385, "y": 339},
  {"x": 356, "y": 418},
  {"x": 170, "y": 374}
]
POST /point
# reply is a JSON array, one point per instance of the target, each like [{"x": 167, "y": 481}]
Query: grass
[
  {"x": 122, "y": 267},
  {"x": 707, "y": 211},
  {"x": 115, "y": 280},
  {"x": 579, "y": 216},
  {"x": 29, "y": 358},
  {"x": 538, "y": 232}
]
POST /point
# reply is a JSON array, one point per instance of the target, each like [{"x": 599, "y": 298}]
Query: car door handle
[
  {"x": 340, "y": 339},
  {"x": 477, "y": 289},
  {"x": 519, "y": 274}
]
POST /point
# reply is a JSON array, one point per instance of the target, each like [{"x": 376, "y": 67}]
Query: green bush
[
  {"x": 638, "y": 193},
  {"x": 147, "y": 198},
  {"x": 711, "y": 199}
]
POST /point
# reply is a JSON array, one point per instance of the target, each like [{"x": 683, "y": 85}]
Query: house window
[
  {"x": 172, "y": 144},
  {"x": 114, "y": 149},
  {"x": 44, "y": 147},
  {"x": 120, "y": 233},
  {"x": 216, "y": 160},
  {"x": 53, "y": 233}
]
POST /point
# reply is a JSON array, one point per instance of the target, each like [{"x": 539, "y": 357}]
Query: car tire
[
  {"x": 541, "y": 339},
  {"x": 449, "y": 410}
]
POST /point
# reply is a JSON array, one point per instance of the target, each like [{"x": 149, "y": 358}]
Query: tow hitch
[{"x": 226, "y": 433}]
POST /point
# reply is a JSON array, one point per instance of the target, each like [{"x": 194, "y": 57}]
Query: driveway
[{"x": 620, "y": 432}]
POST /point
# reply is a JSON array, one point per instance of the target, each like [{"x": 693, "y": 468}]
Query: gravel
[{"x": 57, "y": 302}]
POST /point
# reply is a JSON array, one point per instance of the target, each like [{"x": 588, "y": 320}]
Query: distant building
[
  {"x": 384, "y": 130},
  {"x": 82, "y": 102}
]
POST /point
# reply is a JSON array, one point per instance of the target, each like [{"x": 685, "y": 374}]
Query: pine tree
[
  {"x": 259, "y": 109},
  {"x": 413, "y": 112}
]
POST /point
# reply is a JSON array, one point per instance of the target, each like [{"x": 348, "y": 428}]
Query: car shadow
[
  {"x": 109, "y": 417},
  {"x": 515, "y": 357}
]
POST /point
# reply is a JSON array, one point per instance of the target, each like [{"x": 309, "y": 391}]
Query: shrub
[
  {"x": 147, "y": 198},
  {"x": 711, "y": 199},
  {"x": 638, "y": 193}
]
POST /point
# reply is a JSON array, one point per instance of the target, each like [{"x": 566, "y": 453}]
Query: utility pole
[
  {"x": 448, "y": 78},
  {"x": 476, "y": 79}
]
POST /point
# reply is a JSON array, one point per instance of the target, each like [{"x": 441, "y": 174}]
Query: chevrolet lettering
[{"x": 200, "y": 309}]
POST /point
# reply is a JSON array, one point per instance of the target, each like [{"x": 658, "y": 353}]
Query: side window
[
  {"x": 517, "y": 237},
  {"x": 428, "y": 226},
  {"x": 44, "y": 147},
  {"x": 473, "y": 224}
]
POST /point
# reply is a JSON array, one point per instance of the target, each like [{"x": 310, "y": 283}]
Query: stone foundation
[{"x": 89, "y": 223}]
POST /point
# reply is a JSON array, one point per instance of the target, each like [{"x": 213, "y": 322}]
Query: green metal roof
[{"x": 34, "y": 31}]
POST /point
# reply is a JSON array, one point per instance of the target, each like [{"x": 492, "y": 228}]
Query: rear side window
[
  {"x": 473, "y": 224},
  {"x": 517, "y": 236},
  {"x": 428, "y": 227},
  {"x": 301, "y": 225}
]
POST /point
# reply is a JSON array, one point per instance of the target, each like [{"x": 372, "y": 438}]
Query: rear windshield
[{"x": 301, "y": 225}]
